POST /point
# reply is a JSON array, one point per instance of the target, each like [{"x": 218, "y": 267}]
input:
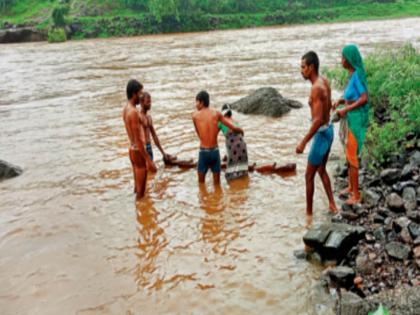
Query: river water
[{"x": 73, "y": 240}]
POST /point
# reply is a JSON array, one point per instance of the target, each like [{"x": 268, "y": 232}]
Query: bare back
[
  {"x": 321, "y": 94},
  {"x": 205, "y": 122}
]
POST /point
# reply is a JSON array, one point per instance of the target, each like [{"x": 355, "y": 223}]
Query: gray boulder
[
  {"x": 8, "y": 170},
  {"x": 398, "y": 250},
  {"x": 342, "y": 276},
  {"x": 265, "y": 101}
]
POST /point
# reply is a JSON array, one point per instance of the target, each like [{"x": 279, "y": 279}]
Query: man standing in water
[
  {"x": 139, "y": 158},
  {"x": 321, "y": 131},
  {"x": 147, "y": 122},
  {"x": 205, "y": 123}
]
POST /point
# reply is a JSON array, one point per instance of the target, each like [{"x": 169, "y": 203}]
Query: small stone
[
  {"x": 358, "y": 281},
  {"x": 414, "y": 216},
  {"x": 350, "y": 216},
  {"x": 391, "y": 236},
  {"x": 398, "y": 250},
  {"x": 342, "y": 276},
  {"x": 371, "y": 198},
  {"x": 416, "y": 252},
  {"x": 408, "y": 171},
  {"x": 379, "y": 234},
  {"x": 414, "y": 230},
  {"x": 416, "y": 241},
  {"x": 415, "y": 158},
  {"x": 369, "y": 238},
  {"x": 405, "y": 236},
  {"x": 364, "y": 265},
  {"x": 399, "y": 186},
  {"x": 401, "y": 223},
  {"x": 390, "y": 175},
  {"x": 378, "y": 219},
  {"x": 409, "y": 198},
  {"x": 300, "y": 254},
  {"x": 395, "y": 202}
]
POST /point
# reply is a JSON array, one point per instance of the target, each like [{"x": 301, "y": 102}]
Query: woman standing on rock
[{"x": 356, "y": 114}]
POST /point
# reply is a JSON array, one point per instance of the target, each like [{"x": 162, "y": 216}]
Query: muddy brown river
[{"x": 73, "y": 240}]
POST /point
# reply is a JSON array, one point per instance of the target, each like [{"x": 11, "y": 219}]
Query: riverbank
[
  {"x": 377, "y": 243},
  {"x": 103, "y": 22}
]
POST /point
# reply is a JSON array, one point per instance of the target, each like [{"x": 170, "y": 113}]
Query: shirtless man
[
  {"x": 205, "y": 123},
  {"x": 139, "y": 158},
  {"x": 321, "y": 130},
  {"x": 147, "y": 122}
]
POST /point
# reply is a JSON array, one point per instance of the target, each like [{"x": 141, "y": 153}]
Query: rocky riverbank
[{"x": 374, "y": 248}]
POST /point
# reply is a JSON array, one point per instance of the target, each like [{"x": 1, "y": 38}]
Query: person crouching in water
[
  {"x": 237, "y": 155},
  {"x": 206, "y": 125}
]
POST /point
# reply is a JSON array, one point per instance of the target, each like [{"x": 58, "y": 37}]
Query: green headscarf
[
  {"x": 358, "y": 119},
  {"x": 354, "y": 58}
]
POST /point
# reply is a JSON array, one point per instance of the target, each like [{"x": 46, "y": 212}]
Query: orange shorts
[{"x": 351, "y": 150}]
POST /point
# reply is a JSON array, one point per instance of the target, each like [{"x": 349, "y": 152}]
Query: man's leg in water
[
  {"x": 322, "y": 171},
  {"x": 141, "y": 177},
  {"x": 201, "y": 177},
  {"x": 309, "y": 177},
  {"x": 135, "y": 179},
  {"x": 216, "y": 179}
]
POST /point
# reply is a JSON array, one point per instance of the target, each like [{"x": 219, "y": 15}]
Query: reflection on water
[{"x": 73, "y": 239}]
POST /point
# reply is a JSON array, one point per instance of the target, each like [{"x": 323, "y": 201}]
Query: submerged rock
[
  {"x": 8, "y": 170},
  {"x": 265, "y": 101}
]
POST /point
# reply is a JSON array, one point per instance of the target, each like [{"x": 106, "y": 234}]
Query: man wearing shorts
[
  {"x": 321, "y": 131},
  {"x": 205, "y": 123}
]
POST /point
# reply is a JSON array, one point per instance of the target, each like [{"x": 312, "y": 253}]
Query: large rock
[
  {"x": 371, "y": 198},
  {"x": 8, "y": 170},
  {"x": 398, "y": 250},
  {"x": 316, "y": 237},
  {"x": 21, "y": 35},
  {"x": 409, "y": 198},
  {"x": 342, "y": 276},
  {"x": 265, "y": 101},
  {"x": 352, "y": 304}
]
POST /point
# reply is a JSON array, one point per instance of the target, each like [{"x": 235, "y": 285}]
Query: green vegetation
[
  {"x": 56, "y": 35},
  {"x": 104, "y": 18},
  {"x": 394, "y": 97}
]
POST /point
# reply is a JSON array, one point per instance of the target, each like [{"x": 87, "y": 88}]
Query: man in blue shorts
[
  {"x": 205, "y": 123},
  {"x": 321, "y": 131}
]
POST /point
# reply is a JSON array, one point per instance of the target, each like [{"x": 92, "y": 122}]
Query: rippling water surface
[{"x": 72, "y": 238}]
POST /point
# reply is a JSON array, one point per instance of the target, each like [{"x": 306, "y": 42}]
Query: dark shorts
[
  {"x": 321, "y": 145},
  {"x": 209, "y": 159},
  {"x": 149, "y": 150}
]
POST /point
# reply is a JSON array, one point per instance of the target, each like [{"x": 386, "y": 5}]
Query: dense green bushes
[
  {"x": 394, "y": 97},
  {"x": 56, "y": 35}
]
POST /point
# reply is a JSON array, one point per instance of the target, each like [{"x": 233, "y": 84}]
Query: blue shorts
[
  {"x": 149, "y": 150},
  {"x": 321, "y": 145},
  {"x": 209, "y": 159}
]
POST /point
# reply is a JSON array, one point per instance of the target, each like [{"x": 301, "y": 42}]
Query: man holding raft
[{"x": 321, "y": 131}]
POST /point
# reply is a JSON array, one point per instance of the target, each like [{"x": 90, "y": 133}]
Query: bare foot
[
  {"x": 309, "y": 220},
  {"x": 333, "y": 208},
  {"x": 353, "y": 200},
  {"x": 344, "y": 192}
]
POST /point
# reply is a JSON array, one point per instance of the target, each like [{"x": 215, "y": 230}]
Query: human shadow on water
[{"x": 151, "y": 242}]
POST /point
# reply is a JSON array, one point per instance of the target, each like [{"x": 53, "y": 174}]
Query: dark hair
[
  {"x": 228, "y": 110},
  {"x": 133, "y": 87},
  {"x": 203, "y": 97},
  {"x": 311, "y": 58}
]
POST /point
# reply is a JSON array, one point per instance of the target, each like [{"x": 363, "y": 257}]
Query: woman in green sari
[{"x": 356, "y": 113}]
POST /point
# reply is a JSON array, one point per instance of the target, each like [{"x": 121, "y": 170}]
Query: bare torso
[
  {"x": 128, "y": 111},
  {"x": 321, "y": 89},
  {"x": 205, "y": 121},
  {"x": 145, "y": 122}
]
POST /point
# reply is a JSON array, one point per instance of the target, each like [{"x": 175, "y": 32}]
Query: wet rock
[
  {"x": 414, "y": 230},
  {"x": 395, "y": 202},
  {"x": 398, "y": 250},
  {"x": 265, "y": 101},
  {"x": 371, "y": 198},
  {"x": 317, "y": 236},
  {"x": 390, "y": 175},
  {"x": 409, "y": 198},
  {"x": 342, "y": 276},
  {"x": 300, "y": 254},
  {"x": 352, "y": 304},
  {"x": 8, "y": 170}
]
